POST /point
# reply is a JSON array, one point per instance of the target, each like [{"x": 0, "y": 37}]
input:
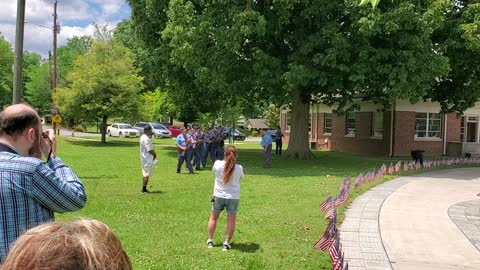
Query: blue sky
[{"x": 75, "y": 18}]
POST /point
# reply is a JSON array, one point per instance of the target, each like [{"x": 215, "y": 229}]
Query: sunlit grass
[{"x": 278, "y": 221}]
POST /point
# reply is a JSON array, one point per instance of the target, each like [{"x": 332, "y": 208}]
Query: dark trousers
[
  {"x": 278, "y": 147},
  {"x": 188, "y": 158},
  {"x": 213, "y": 151},
  {"x": 203, "y": 154},
  {"x": 196, "y": 156},
  {"x": 185, "y": 156},
  {"x": 220, "y": 149},
  {"x": 181, "y": 159}
]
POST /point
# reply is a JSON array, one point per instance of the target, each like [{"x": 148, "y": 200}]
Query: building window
[
  {"x": 350, "y": 124},
  {"x": 462, "y": 128},
  {"x": 428, "y": 125},
  {"x": 377, "y": 124},
  {"x": 288, "y": 120},
  {"x": 327, "y": 123}
]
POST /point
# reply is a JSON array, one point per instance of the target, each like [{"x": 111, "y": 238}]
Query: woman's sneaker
[
  {"x": 226, "y": 247},
  {"x": 209, "y": 244}
]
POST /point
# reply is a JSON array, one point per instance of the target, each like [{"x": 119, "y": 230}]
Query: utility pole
[
  {"x": 18, "y": 64},
  {"x": 54, "y": 110}
]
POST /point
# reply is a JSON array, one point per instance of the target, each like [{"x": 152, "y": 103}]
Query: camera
[{"x": 45, "y": 134}]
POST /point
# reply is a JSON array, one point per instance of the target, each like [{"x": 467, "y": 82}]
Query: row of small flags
[{"x": 330, "y": 239}]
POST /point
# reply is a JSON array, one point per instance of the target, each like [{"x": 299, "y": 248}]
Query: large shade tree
[
  {"x": 297, "y": 52},
  {"x": 103, "y": 83}
]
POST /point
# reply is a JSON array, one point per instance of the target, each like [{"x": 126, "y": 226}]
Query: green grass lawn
[{"x": 278, "y": 220}]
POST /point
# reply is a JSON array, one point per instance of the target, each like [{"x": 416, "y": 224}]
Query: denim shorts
[{"x": 219, "y": 204}]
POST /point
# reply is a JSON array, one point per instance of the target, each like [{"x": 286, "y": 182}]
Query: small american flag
[
  {"x": 397, "y": 166},
  {"x": 331, "y": 213},
  {"x": 335, "y": 254},
  {"x": 329, "y": 235},
  {"x": 391, "y": 170},
  {"x": 326, "y": 204},
  {"x": 358, "y": 181}
]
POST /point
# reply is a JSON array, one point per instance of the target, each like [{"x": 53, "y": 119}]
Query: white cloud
[{"x": 75, "y": 18}]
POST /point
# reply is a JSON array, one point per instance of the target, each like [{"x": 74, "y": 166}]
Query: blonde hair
[
  {"x": 230, "y": 161},
  {"x": 83, "y": 244}
]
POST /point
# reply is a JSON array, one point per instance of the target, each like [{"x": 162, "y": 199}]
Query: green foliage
[
  {"x": 68, "y": 53},
  {"x": 6, "y": 74},
  {"x": 38, "y": 89},
  {"x": 150, "y": 105},
  {"x": 103, "y": 83},
  {"x": 458, "y": 39},
  {"x": 272, "y": 116}
]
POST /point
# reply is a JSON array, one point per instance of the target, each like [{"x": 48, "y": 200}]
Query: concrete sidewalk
[{"x": 423, "y": 222}]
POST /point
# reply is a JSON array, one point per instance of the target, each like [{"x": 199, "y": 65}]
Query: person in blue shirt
[
  {"x": 31, "y": 190},
  {"x": 267, "y": 146},
  {"x": 182, "y": 150}
]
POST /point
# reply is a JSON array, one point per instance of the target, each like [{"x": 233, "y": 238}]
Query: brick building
[{"x": 408, "y": 127}]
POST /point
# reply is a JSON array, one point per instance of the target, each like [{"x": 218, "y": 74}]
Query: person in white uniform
[
  {"x": 148, "y": 157},
  {"x": 226, "y": 194}
]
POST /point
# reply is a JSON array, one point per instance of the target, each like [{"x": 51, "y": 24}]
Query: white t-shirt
[
  {"x": 145, "y": 147},
  {"x": 231, "y": 190}
]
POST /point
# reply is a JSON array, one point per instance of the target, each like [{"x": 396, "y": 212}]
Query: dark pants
[
  {"x": 187, "y": 157},
  {"x": 267, "y": 156},
  {"x": 203, "y": 154},
  {"x": 220, "y": 149},
  {"x": 213, "y": 151},
  {"x": 196, "y": 156},
  {"x": 278, "y": 147},
  {"x": 181, "y": 159}
]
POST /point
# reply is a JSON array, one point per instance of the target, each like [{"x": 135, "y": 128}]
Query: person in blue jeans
[
  {"x": 267, "y": 146},
  {"x": 226, "y": 195},
  {"x": 181, "y": 143}
]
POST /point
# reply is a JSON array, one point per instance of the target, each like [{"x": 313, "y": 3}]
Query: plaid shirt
[{"x": 31, "y": 191}]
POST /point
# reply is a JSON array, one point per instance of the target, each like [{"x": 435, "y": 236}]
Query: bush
[{"x": 255, "y": 133}]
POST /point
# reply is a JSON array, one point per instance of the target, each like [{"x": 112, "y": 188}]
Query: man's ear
[{"x": 30, "y": 134}]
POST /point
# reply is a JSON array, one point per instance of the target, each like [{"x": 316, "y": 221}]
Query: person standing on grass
[
  {"x": 148, "y": 157},
  {"x": 226, "y": 194},
  {"x": 278, "y": 141},
  {"x": 31, "y": 190},
  {"x": 267, "y": 146},
  {"x": 181, "y": 144}
]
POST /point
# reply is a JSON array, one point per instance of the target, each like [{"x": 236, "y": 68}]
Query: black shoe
[
  {"x": 226, "y": 247},
  {"x": 192, "y": 173},
  {"x": 145, "y": 191}
]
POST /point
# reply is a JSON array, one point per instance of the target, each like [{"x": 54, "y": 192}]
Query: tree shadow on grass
[
  {"x": 246, "y": 247},
  {"x": 100, "y": 144}
]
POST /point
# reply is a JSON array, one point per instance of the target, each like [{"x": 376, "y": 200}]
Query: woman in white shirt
[{"x": 226, "y": 194}]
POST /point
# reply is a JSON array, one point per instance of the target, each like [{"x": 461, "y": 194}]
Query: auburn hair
[
  {"x": 230, "y": 161},
  {"x": 79, "y": 245}
]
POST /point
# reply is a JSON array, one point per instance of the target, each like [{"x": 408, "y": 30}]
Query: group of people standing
[{"x": 194, "y": 146}]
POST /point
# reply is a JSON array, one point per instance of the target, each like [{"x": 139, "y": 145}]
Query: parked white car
[
  {"x": 159, "y": 130},
  {"x": 122, "y": 130}
]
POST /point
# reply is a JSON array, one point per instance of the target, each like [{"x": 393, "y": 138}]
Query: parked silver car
[{"x": 159, "y": 130}]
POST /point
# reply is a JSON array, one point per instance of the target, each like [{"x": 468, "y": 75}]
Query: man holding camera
[{"x": 31, "y": 190}]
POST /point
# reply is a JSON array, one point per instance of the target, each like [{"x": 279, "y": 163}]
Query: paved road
[
  {"x": 425, "y": 222},
  {"x": 68, "y": 133}
]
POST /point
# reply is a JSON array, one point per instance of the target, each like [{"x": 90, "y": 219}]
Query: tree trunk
[
  {"x": 104, "y": 129},
  {"x": 298, "y": 143}
]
